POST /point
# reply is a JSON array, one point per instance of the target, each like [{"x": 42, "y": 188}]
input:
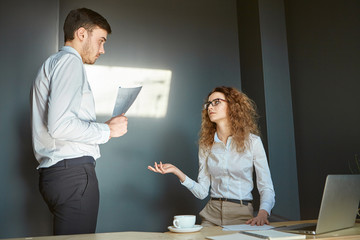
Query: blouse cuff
[
  {"x": 266, "y": 207},
  {"x": 188, "y": 183}
]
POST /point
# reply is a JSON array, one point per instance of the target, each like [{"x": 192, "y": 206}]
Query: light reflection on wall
[{"x": 152, "y": 100}]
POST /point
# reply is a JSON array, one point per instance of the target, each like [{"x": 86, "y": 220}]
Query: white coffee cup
[{"x": 184, "y": 221}]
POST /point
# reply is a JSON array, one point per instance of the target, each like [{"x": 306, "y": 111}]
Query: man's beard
[{"x": 87, "y": 53}]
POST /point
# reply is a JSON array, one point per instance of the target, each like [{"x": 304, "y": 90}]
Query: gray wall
[
  {"x": 29, "y": 34},
  {"x": 197, "y": 41}
]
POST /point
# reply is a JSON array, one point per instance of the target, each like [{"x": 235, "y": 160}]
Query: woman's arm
[
  {"x": 260, "y": 219},
  {"x": 264, "y": 183}
]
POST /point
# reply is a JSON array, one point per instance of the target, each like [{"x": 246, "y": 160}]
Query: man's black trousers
[{"x": 72, "y": 195}]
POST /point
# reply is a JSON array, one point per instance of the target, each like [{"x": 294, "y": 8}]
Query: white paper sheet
[
  {"x": 235, "y": 236},
  {"x": 245, "y": 227},
  {"x": 124, "y": 99},
  {"x": 258, "y": 235}
]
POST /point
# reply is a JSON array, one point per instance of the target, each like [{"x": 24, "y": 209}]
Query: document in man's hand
[
  {"x": 125, "y": 98},
  {"x": 256, "y": 235}
]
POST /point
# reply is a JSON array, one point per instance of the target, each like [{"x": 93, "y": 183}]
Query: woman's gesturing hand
[
  {"x": 163, "y": 168},
  {"x": 167, "y": 168}
]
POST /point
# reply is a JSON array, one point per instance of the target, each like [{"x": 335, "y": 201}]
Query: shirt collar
[
  {"x": 217, "y": 140},
  {"x": 70, "y": 50}
]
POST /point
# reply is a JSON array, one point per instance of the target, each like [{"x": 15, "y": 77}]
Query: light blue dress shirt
[
  {"x": 63, "y": 111},
  {"x": 229, "y": 174}
]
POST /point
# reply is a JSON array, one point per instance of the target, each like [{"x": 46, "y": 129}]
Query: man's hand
[{"x": 118, "y": 126}]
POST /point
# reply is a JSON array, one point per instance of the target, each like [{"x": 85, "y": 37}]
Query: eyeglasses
[{"x": 214, "y": 103}]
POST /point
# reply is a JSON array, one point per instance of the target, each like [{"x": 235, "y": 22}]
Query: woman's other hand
[{"x": 260, "y": 219}]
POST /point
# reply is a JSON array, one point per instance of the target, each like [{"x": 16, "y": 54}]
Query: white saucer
[{"x": 185, "y": 230}]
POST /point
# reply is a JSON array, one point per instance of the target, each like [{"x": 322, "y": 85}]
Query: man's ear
[{"x": 81, "y": 34}]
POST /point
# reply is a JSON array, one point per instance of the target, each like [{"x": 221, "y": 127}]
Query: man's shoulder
[{"x": 62, "y": 57}]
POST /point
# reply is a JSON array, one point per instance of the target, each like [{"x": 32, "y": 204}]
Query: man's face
[{"x": 94, "y": 45}]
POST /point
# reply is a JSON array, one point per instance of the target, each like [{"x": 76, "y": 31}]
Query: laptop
[{"x": 339, "y": 206}]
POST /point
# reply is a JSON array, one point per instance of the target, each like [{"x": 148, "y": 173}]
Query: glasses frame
[{"x": 207, "y": 104}]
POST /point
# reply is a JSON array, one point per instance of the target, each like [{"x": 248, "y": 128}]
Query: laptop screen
[{"x": 340, "y": 202}]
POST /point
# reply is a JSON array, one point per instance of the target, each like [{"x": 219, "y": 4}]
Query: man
[{"x": 65, "y": 132}]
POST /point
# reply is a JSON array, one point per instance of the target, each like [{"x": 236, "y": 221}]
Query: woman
[{"x": 229, "y": 150}]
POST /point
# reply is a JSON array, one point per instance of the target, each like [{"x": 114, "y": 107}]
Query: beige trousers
[{"x": 225, "y": 213}]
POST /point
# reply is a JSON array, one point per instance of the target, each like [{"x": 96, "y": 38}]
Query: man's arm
[{"x": 65, "y": 99}]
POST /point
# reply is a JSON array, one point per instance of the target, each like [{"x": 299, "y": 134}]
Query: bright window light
[{"x": 152, "y": 100}]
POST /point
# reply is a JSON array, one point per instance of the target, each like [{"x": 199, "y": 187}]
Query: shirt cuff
[
  {"x": 189, "y": 183},
  {"x": 105, "y": 132},
  {"x": 266, "y": 207}
]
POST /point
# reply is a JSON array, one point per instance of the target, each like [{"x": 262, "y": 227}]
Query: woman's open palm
[
  {"x": 163, "y": 168},
  {"x": 167, "y": 168}
]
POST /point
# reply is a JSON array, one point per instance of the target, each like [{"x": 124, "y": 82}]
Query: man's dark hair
[{"x": 85, "y": 18}]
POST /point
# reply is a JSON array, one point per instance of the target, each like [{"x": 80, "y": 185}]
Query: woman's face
[{"x": 217, "y": 110}]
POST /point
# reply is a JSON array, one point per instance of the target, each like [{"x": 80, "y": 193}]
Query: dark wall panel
[{"x": 324, "y": 54}]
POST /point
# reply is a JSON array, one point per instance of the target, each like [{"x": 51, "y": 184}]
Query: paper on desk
[
  {"x": 245, "y": 227},
  {"x": 124, "y": 99},
  {"x": 264, "y": 234},
  {"x": 235, "y": 236}
]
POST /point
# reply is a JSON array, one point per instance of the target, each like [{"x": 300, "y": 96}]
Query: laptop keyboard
[{"x": 302, "y": 226}]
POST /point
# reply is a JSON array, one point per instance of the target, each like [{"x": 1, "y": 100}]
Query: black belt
[
  {"x": 74, "y": 161},
  {"x": 242, "y": 202}
]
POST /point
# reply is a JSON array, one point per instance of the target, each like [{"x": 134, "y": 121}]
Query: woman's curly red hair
[{"x": 242, "y": 115}]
